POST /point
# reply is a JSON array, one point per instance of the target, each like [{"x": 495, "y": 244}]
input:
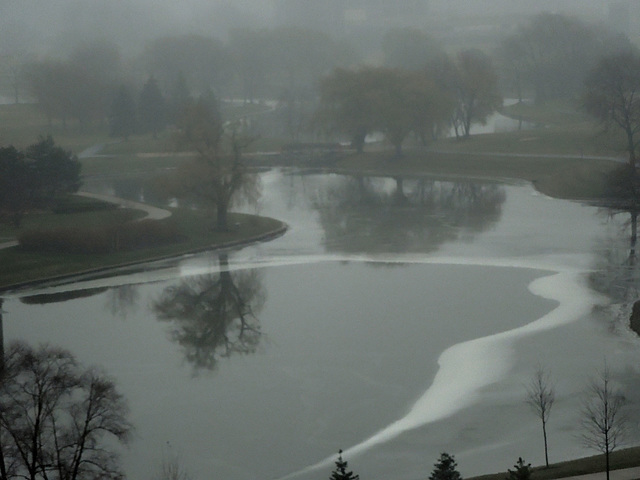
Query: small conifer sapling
[
  {"x": 341, "y": 471},
  {"x": 445, "y": 469}
]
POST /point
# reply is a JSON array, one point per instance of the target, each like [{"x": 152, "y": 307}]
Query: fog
[{"x": 46, "y": 27}]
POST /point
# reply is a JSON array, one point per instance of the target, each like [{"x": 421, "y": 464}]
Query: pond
[{"x": 396, "y": 319}]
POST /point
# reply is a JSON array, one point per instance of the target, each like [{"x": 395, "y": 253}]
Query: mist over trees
[
  {"x": 429, "y": 76},
  {"x": 550, "y": 55}
]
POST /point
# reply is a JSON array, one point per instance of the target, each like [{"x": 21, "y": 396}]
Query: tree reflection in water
[
  {"x": 213, "y": 316},
  {"x": 122, "y": 300},
  {"x": 616, "y": 271},
  {"x": 376, "y": 215}
]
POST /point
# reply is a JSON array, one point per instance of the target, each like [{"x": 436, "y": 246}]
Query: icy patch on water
[{"x": 468, "y": 367}]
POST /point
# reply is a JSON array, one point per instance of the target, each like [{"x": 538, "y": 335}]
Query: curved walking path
[{"x": 152, "y": 213}]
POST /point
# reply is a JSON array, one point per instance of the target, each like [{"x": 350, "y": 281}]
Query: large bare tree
[
  {"x": 217, "y": 175},
  {"x": 57, "y": 419}
]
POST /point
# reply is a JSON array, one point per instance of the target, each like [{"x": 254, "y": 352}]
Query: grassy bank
[
  {"x": 568, "y": 178},
  {"x": 24, "y": 267},
  {"x": 625, "y": 458}
]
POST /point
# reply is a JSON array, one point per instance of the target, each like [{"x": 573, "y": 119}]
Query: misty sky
[{"x": 45, "y": 26}]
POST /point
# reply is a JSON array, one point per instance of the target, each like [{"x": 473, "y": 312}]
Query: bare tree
[
  {"x": 540, "y": 397},
  {"x": 612, "y": 95},
  {"x": 603, "y": 418},
  {"x": 217, "y": 175},
  {"x": 172, "y": 467},
  {"x": 55, "y": 417}
]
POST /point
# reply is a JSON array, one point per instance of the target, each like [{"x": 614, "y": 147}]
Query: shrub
[
  {"x": 75, "y": 204},
  {"x": 99, "y": 240}
]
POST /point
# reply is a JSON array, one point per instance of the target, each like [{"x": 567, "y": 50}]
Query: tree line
[
  {"x": 547, "y": 57},
  {"x": 34, "y": 178}
]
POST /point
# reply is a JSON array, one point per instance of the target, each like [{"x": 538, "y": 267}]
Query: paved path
[
  {"x": 12, "y": 243},
  {"x": 623, "y": 474},
  {"x": 153, "y": 213}
]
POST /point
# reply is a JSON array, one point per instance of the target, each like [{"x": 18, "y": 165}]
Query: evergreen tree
[
  {"x": 151, "y": 108},
  {"x": 521, "y": 472},
  {"x": 445, "y": 469},
  {"x": 122, "y": 118},
  {"x": 341, "y": 472}
]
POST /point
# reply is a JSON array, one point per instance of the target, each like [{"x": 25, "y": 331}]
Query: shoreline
[{"x": 267, "y": 236}]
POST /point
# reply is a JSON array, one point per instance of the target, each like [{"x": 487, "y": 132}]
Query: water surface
[{"x": 398, "y": 318}]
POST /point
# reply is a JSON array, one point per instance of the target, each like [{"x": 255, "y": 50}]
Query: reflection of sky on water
[{"x": 349, "y": 346}]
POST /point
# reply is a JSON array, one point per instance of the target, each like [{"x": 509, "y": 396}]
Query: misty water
[{"x": 396, "y": 319}]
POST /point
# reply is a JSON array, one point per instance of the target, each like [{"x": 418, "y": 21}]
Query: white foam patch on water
[{"x": 468, "y": 367}]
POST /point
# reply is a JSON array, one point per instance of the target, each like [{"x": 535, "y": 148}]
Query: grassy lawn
[
  {"x": 624, "y": 458},
  {"x": 558, "y": 112},
  {"x": 579, "y": 139},
  {"x": 196, "y": 227},
  {"x": 22, "y": 124}
]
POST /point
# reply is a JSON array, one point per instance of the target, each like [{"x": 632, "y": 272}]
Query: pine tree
[
  {"x": 521, "y": 472},
  {"x": 341, "y": 472},
  {"x": 445, "y": 469}
]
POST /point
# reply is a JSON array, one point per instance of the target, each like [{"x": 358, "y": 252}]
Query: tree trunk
[
  {"x": 398, "y": 149},
  {"x": 546, "y": 448},
  {"x": 634, "y": 238},
  {"x": 221, "y": 215},
  {"x": 1, "y": 350},
  {"x": 357, "y": 141},
  {"x": 631, "y": 147}
]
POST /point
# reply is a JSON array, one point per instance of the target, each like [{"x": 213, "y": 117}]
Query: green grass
[
  {"x": 579, "y": 139},
  {"x": 129, "y": 164},
  {"x": 625, "y": 458},
  {"x": 164, "y": 142},
  {"x": 22, "y": 124},
  {"x": 19, "y": 266},
  {"x": 559, "y": 112}
]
